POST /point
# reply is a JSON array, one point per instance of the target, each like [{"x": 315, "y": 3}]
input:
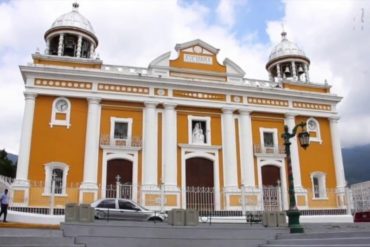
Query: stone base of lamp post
[{"x": 293, "y": 218}]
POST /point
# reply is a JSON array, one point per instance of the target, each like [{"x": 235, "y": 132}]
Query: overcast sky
[{"x": 335, "y": 35}]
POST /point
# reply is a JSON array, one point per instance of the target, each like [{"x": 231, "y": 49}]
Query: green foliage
[{"x": 7, "y": 168}]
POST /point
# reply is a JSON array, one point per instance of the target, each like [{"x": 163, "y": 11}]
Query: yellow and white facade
[{"x": 190, "y": 121}]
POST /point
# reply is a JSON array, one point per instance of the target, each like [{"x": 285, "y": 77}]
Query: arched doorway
[
  {"x": 271, "y": 187},
  {"x": 122, "y": 168},
  {"x": 199, "y": 184}
]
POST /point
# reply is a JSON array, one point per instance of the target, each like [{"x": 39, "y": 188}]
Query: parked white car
[{"x": 124, "y": 209}]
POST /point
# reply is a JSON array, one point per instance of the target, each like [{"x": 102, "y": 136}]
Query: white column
[
  {"x": 25, "y": 142},
  {"x": 296, "y": 168},
  {"x": 79, "y": 43},
  {"x": 246, "y": 149},
  {"x": 47, "y": 49},
  {"x": 60, "y": 44},
  {"x": 92, "y": 49},
  {"x": 150, "y": 147},
  {"x": 306, "y": 72},
  {"x": 294, "y": 71},
  {"x": 229, "y": 148},
  {"x": 92, "y": 146},
  {"x": 278, "y": 70},
  {"x": 169, "y": 151},
  {"x": 337, "y": 153}
]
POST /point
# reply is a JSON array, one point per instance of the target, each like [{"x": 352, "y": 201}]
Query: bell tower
[
  {"x": 288, "y": 62},
  {"x": 71, "y": 35}
]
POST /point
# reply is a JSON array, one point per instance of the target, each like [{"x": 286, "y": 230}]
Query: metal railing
[
  {"x": 207, "y": 200},
  {"x": 107, "y": 140},
  {"x": 260, "y": 149}
]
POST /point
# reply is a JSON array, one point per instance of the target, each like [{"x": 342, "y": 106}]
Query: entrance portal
[
  {"x": 271, "y": 190},
  {"x": 122, "y": 168},
  {"x": 199, "y": 184}
]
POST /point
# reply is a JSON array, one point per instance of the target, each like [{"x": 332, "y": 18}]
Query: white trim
[
  {"x": 283, "y": 178},
  {"x": 317, "y": 131},
  {"x": 274, "y": 132},
  {"x": 321, "y": 176},
  {"x": 67, "y": 113},
  {"x": 210, "y": 153},
  {"x": 48, "y": 168},
  {"x": 114, "y": 120},
  {"x": 110, "y": 154},
  {"x": 192, "y": 118},
  {"x": 182, "y": 101},
  {"x": 196, "y": 42}
]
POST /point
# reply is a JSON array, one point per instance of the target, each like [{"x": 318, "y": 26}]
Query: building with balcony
[{"x": 172, "y": 127}]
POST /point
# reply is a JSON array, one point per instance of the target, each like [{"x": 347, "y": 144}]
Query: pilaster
[{"x": 89, "y": 187}]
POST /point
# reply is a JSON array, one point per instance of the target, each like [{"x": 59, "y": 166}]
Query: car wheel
[
  {"x": 155, "y": 219},
  {"x": 100, "y": 215}
]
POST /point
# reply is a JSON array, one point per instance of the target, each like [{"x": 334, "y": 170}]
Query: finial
[
  {"x": 283, "y": 33},
  {"x": 75, "y": 6}
]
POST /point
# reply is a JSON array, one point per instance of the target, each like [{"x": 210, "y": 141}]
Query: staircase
[
  {"x": 133, "y": 234},
  {"x": 338, "y": 239},
  {"x": 14, "y": 237}
]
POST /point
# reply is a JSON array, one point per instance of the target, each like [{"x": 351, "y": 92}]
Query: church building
[{"x": 176, "y": 128}]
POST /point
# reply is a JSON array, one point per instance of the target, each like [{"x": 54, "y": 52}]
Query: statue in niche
[{"x": 198, "y": 136}]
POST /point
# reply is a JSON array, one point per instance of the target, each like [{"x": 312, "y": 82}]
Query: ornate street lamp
[{"x": 304, "y": 139}]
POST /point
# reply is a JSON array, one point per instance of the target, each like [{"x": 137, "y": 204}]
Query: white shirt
[{"x": 4, "y": 199}]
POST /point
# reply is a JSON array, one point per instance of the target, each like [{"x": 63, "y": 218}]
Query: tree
[{"x": 7, "y": 168}]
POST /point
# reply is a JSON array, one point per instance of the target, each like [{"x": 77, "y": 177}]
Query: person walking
[{"x": 4, "y": 199}]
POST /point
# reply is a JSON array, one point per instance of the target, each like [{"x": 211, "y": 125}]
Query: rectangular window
[
  {"x": 268, "y": 139},
  {"x": 316, "y": 187},
  {"x": 120, "y": 130}
]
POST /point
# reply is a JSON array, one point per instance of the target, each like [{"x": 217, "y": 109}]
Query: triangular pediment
[
  {"x": 196, "y": 59},
  {"x": 197, "y": 46}
]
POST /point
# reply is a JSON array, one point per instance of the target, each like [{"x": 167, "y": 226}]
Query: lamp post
[{"x": 304, "y": 139}]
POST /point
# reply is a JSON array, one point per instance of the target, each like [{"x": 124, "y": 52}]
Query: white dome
[
  {"x": 73, "y": 19},
  {"x": 285, "y": 48}
]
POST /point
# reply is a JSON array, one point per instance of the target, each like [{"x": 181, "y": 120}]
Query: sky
[{"x": 334, "y": 34}]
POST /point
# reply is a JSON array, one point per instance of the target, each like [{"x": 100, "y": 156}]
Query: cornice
[{"x": 178, "y": 83}]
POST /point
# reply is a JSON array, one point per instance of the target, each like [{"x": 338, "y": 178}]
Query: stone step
[
  {"x": 41, "y": 245},
  {"x": 30, "y": 232},
  {"x": 14, "y": 240},
  {"x": 329, "y": 241},
  {"x": 323, "y": 235},
  {"x": 164, "y": 231},
  {"x": 318, "y": 245},
  {"x": 160, "y": 242}
]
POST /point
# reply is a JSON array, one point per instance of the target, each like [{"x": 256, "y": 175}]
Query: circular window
[{"x": 61, "y": 105}]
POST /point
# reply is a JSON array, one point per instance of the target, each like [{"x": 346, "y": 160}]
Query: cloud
[
  {"x": 336, "y": 38},
  {"x": 135, "y": 32},
  {"x": 226, "y": 11},
  {"x": 130, "y": 33}
]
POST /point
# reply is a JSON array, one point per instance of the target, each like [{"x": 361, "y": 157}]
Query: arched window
[
  {"x": 313, "y": 127},
  {"x": 318, "y": 180},
  {"x": 61, "y": 112},
  {"x": 56, "y": 171}
]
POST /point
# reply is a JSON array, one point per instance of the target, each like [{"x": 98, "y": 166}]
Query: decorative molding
[
  {"x": 199, "y": 95},
  {"x": 312, "y": 106},
  {"x": 237, "y": 99},
  {"x": 271, "y": 102},
  {"x": 122, "y": 88},
  {"x": 63, "y": 84},
  {"x": 161, "y": 92}
]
